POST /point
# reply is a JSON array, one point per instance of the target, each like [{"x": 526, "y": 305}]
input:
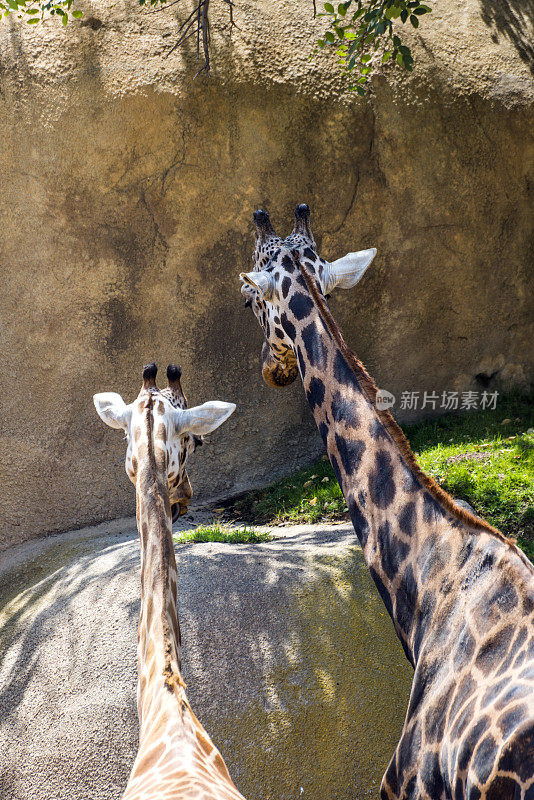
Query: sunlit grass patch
[
  {"x": 222, "y": 533},
  {"x": 483, "y": 457}
]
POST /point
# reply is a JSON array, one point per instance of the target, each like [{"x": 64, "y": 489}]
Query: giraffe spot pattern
[
  {"x": 484, "y": 758},
  {"x": 432, "y": 511},
  {"x": 426, "y": 612},
  {"x": 518, "y": 754},
  {"x": 337, "y": 471},
  {"x": 431, "y": 775},
  {"x": 384, "y": 594},
  {"x": 465, "y": 551},
  {"x": 360, "y": 524},
  {"x": 350, "y": 453},
  {"x": 286, "y": 286},
  {"x": 301, "y": 305},
  {"x": 288, "y": 326},
  {"x": 391, "y": 778},
  {"x": 377, "y": 431},
  {"x": 472, "y": 737},
  {"x": 381, "y": 483},
  {"x": 314, "y": 346},
  {"x": 436, "y": 717},
  {"x": 493, "y": 650},
  {"x": 343, "y": 373},
  {"x": 315, "y": 393},
  {"x": 504, "y": 788},
  {"x": 392, "y": 550},
  {"x": 465, "y": 648},
  {"x": 509, "y": 721},
  {"x": 407, "y": 519},
  {"x": 344, "y": 410},
  {"x": 302, "y": 363},
  {"x": 424, "y": 677},
  {"x": 323, "y": 430}
]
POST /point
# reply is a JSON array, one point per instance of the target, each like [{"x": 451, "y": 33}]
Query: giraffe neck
[
  {"x": 407, "y": 530},
  {"x": 159, "y": 632}
]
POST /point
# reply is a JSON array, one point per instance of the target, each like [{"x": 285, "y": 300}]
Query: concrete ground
[{"x": 291, "y": 663}]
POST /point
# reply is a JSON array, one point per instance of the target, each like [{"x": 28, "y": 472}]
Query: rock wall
[{"x": 127, "y": 192}]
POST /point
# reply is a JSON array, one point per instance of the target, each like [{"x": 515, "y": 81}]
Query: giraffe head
[
  {"x": 178, "y": 429},
  {"x": 277, "y": 292}
]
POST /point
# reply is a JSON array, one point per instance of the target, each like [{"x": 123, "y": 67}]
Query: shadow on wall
[{"x": 515, "y": 20}]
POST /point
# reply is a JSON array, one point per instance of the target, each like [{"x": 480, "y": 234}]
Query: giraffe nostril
[{"x": 248, "y": 303}]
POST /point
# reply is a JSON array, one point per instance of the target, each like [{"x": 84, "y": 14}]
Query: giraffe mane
[
  {"x": 173, "y": 680},
  {"x": 370, "y": 389}
]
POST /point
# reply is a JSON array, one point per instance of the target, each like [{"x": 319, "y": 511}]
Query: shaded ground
[{"x": 290, "y": 659}]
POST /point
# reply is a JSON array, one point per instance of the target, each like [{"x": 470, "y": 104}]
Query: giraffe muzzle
[{"x": 274, "y": 372}]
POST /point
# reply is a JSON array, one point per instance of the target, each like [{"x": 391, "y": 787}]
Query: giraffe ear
[
  {"x": 347, "y": 271},
  {"x": 201, "y": 420},
  {"x": 111, "y": 408},
  {"x": 261, "y": 281}
]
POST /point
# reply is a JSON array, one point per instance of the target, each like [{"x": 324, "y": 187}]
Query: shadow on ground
[{"x": 290, "y": 659}]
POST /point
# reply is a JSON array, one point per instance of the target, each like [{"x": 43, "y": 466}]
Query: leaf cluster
[
  {"x": 359, "y": 29},
  {"x": 34, "y": 11}
]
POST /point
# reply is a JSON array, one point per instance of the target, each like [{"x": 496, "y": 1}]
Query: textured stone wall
[{"x": 126, "y": 196}]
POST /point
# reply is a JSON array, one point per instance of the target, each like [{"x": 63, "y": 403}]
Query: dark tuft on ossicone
[
  {"x": 149, "y": 372},
  {"x": 174, "y": 373},
  {"x": 302, "y": 211}
]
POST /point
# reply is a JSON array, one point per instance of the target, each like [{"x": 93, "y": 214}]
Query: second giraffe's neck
[
  {"x": 396, "y": 517},
  {"x": 158, "y": 648}
]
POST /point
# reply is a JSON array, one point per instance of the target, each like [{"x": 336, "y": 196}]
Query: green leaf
[
  {"x": 365, "y": 59},
  {"x": 421, "y": 10},
  {"x": 320, "y": 42},
  {"x": 400, "y": 60},
  {"x": 341, "y": 10},
  {"x": 13, "y": 5},
  {"x": 31, "y": 10},
  {"x": 33, "y": 21},
  {"x": 77, "y": 14},
  {"x": 414, "y": 20},
  {"x": 65, "y": 19},
  {"x": 360, "y": 91},
  {"x": 404, "y": 15},
  {"x": 396, "y": 41},
  {"x": 386, "y": 56},
  {"x": 329, "y": 7},
  {"x": 329, "y": 36}
]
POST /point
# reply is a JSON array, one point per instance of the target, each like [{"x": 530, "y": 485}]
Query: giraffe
[
  {"x": 176, "y": 759},
  {"x": 461, "y": 596}
]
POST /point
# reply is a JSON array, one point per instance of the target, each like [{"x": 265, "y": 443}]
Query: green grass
[
  {"x": 472, "y": 455},
  {"x": 222, "y": 533}
]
